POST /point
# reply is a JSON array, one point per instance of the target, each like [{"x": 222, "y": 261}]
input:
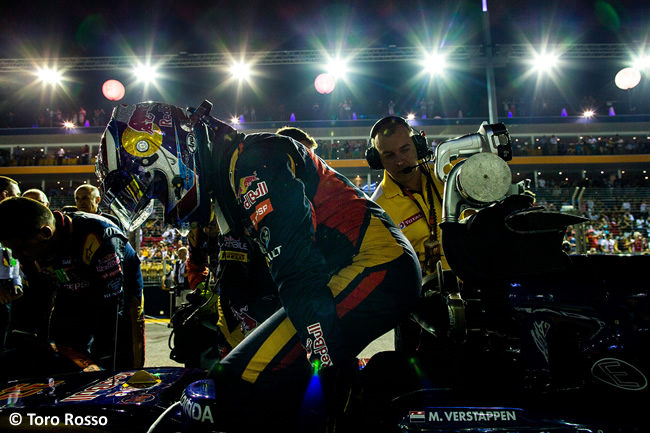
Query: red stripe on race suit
[
  {"x": 330, "y": 198},
  {"x": 360, "y": 293},
  {"x": 296, "y": 352}
]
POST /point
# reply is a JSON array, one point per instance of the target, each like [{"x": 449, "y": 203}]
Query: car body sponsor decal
[
  {"x": 138, "y": 398},
  {"x": 26, "y": 389},
  {"x": 98, "y": 389},
  {"x": 619, "y": 374}
]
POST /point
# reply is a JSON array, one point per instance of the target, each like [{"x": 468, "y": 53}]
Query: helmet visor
[{"x": 130, "y": 197}]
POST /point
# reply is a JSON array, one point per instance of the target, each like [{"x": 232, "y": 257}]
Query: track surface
[{"x": 157, "y": 349}]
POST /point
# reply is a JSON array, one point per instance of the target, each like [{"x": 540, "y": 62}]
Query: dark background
[{"x": 47, "y": 30}]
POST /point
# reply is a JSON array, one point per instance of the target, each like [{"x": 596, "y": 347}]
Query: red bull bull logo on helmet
[
  {"x": 144, "y": 136},
  {"x": 143, "y": 119}
]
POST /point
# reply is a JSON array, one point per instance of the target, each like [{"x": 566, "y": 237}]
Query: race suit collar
[
  {"x": 63, "y": 224},
  {"x": 62, "y": 234}
]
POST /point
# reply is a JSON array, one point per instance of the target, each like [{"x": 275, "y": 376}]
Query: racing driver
[{"x": 345, "y": 274}]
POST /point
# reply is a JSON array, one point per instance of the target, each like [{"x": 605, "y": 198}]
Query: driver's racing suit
[{"x": 345, "y": 273}]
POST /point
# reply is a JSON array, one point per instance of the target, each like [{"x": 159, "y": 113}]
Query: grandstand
[
  {"x": 600, "y": 185},
  {"x": 37, "y": 165}
]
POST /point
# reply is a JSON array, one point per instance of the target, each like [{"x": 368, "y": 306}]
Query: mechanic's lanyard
[
  {"x": 432, "y": 250},
  {"x": 433, "y": 224}
]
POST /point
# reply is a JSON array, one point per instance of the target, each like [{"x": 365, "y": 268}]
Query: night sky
[{"x": 118, "y": 28}]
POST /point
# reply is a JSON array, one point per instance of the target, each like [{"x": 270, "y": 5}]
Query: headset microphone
[{"x": 409, "y": 169}]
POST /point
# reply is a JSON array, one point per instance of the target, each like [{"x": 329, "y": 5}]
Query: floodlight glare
[
  {"x": 49, "y": 76},
  {"x": 434, "y": 64},
  {"x": 642, "y": 63},
  {"x": 337, "y": 67},
  {"x": 545, "y": 62},
  {"x": 145, "y": 73},
  {"x": 588, "y": 114},
  {"x": 240, "y": 71},
  {"x": 410, "y": 116}
]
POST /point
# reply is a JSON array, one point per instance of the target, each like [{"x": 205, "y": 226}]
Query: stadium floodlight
[
  {"x": 240, "y": 71},
  {"x": 545, "y": 62},
  {"x": 337, "y": 67},
  {"x": 49, "y": 76},
  {"x": 641, "y": 63},
  {"x": 145, "y": 73},
  {"x": 434, "y": 64}
]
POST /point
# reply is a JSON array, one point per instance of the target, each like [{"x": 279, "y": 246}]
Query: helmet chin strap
[{"x": 221, "y": 218}]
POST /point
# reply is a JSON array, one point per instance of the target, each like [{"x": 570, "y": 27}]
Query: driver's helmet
[{"x": 149, "y": 151}]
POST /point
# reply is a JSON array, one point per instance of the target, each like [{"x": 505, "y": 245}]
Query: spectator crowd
[
  {"x": 618, "y": 217},
  {"x": 355, "y": 149},
  {"x": 330, "y": 107}
]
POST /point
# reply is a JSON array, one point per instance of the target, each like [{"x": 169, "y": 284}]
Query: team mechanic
[
  {"x": 345, "y": 274},
  {"x": 412, "y": 197},
  {"x": 95, "y": 275},
  {"x": 233, "y": 289}
]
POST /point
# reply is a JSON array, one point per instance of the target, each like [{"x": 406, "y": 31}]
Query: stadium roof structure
[{"x": 476, "y": 55}]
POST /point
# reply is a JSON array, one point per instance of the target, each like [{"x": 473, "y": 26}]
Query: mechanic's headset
[{"x": 419, "y": 140}]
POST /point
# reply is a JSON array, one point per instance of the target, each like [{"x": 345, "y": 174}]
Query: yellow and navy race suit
[
  {"x": 96, "y": 278},
  {"x": 411, "y": 217},
  {"x": 345, "y": 274}
]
